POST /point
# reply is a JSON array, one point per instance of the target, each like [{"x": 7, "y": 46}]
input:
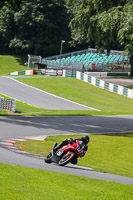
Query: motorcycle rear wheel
[{"x": 65, "y": 161}]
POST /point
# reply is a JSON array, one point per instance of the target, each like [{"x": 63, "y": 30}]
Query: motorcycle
[{"x": 68, "y": 153}]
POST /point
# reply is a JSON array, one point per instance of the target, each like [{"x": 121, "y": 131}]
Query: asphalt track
[
  {"x": 17, "y": 127},
  {"x": 36, "y": 97}
]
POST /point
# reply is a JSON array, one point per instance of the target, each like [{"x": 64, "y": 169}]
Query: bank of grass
[
  {"x": 28, "y": 184},
  {"x": 106, "y": 153},
  {"x": 84, "y": 93},
  {"x": 3, "y": 112},
  {"x": 10, "y": 64}
]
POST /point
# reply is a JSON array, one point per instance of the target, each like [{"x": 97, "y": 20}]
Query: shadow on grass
[{"x": 21, "y": 59}]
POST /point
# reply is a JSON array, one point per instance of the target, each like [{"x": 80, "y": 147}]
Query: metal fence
[
  {"x": 7, "y": 104},
  {"x": 70, "y": 54},
  {"x": 65, "y": 61},
  {"x": 32, "y": 59}
]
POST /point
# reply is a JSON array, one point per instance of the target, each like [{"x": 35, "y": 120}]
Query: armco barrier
[
  {"x": 50, "y": 72},
  {"x": 26, "y": 72},
  {"x": 118, "y": 89},
  {"x": 7, "y": 104},
  {"x": 69, "y": 73}
]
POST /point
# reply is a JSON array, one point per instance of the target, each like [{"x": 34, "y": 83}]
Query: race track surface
[
  {"x": 19, "y": 127},
  {"x": 36, "y": 97}
]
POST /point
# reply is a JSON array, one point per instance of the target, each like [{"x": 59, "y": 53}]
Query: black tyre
[
  {"x": 64, "y": 160},
  {"x": 48, "y": 158}
]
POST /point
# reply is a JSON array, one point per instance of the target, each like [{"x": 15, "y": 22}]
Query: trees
[
  {"x": 38, "y": 26},
  {"x": 125, "y": 33},
  {"x": 107, "y": 24},
  {"x": 95, "y": 21},
  {"x": 10, "y": 2},
  {"x": 6, "y": 27}
]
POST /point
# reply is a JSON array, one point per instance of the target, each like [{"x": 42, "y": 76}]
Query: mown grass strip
[
  {"x": 106, "y": 153},
  {"x": 28, "y": 184}
]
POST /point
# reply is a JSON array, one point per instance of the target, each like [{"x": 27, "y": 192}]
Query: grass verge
[
  {"x": 106, "y": 153},
  {"x": 28, "y": 184}
]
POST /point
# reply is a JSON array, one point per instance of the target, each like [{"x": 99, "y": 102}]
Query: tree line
[{"x": 38, "y": 26}]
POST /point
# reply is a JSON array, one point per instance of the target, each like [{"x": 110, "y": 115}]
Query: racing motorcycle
[{"x": 64, "y": 155}]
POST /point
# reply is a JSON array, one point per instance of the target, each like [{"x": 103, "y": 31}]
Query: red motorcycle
[{"x": 68, "y": 153}]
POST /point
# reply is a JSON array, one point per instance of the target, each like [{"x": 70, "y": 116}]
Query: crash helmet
[{"x": 85, "y": 139}]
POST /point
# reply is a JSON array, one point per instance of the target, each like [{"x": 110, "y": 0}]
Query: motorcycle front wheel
[
  {"x": 65, "y": 160},
  {"x": 48, "y": 158}
]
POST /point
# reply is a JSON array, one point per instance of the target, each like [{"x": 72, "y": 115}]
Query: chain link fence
[{"x": 7, "y": 104}]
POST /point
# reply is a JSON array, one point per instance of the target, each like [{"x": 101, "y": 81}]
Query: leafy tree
[
  {"x": 9, "y": 3},
  {"x": 106, "y": 24},
  {"x": 39, "y": 26},
  {"x": 125, "y": 33},
  {"x": 86, "y": 25},
  {"x": 6, "y": 28}
]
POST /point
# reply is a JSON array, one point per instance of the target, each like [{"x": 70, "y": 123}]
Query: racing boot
[
  {"x": 64, "y": 142},
  {"x": 55, "y": 144},
  {"x": 59, "y": 146}
]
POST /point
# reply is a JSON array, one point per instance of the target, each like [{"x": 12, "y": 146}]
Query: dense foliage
[
  {"x": 34, "y": 26},
  {"x": 105, "y": 24},
  {"x": 38, "y": 26}
]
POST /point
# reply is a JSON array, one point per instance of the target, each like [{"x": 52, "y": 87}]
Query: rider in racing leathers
[{"x": 82, "y": 144}]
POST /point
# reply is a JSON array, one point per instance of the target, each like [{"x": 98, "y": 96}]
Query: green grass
[
  {"x": 106, "y": 153},
  {"x": 29, "y": 184},
  {"x": 84, "y": 93},
  {"x": 10, "y": 64},
  {"x": 3, "y": 112}
]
